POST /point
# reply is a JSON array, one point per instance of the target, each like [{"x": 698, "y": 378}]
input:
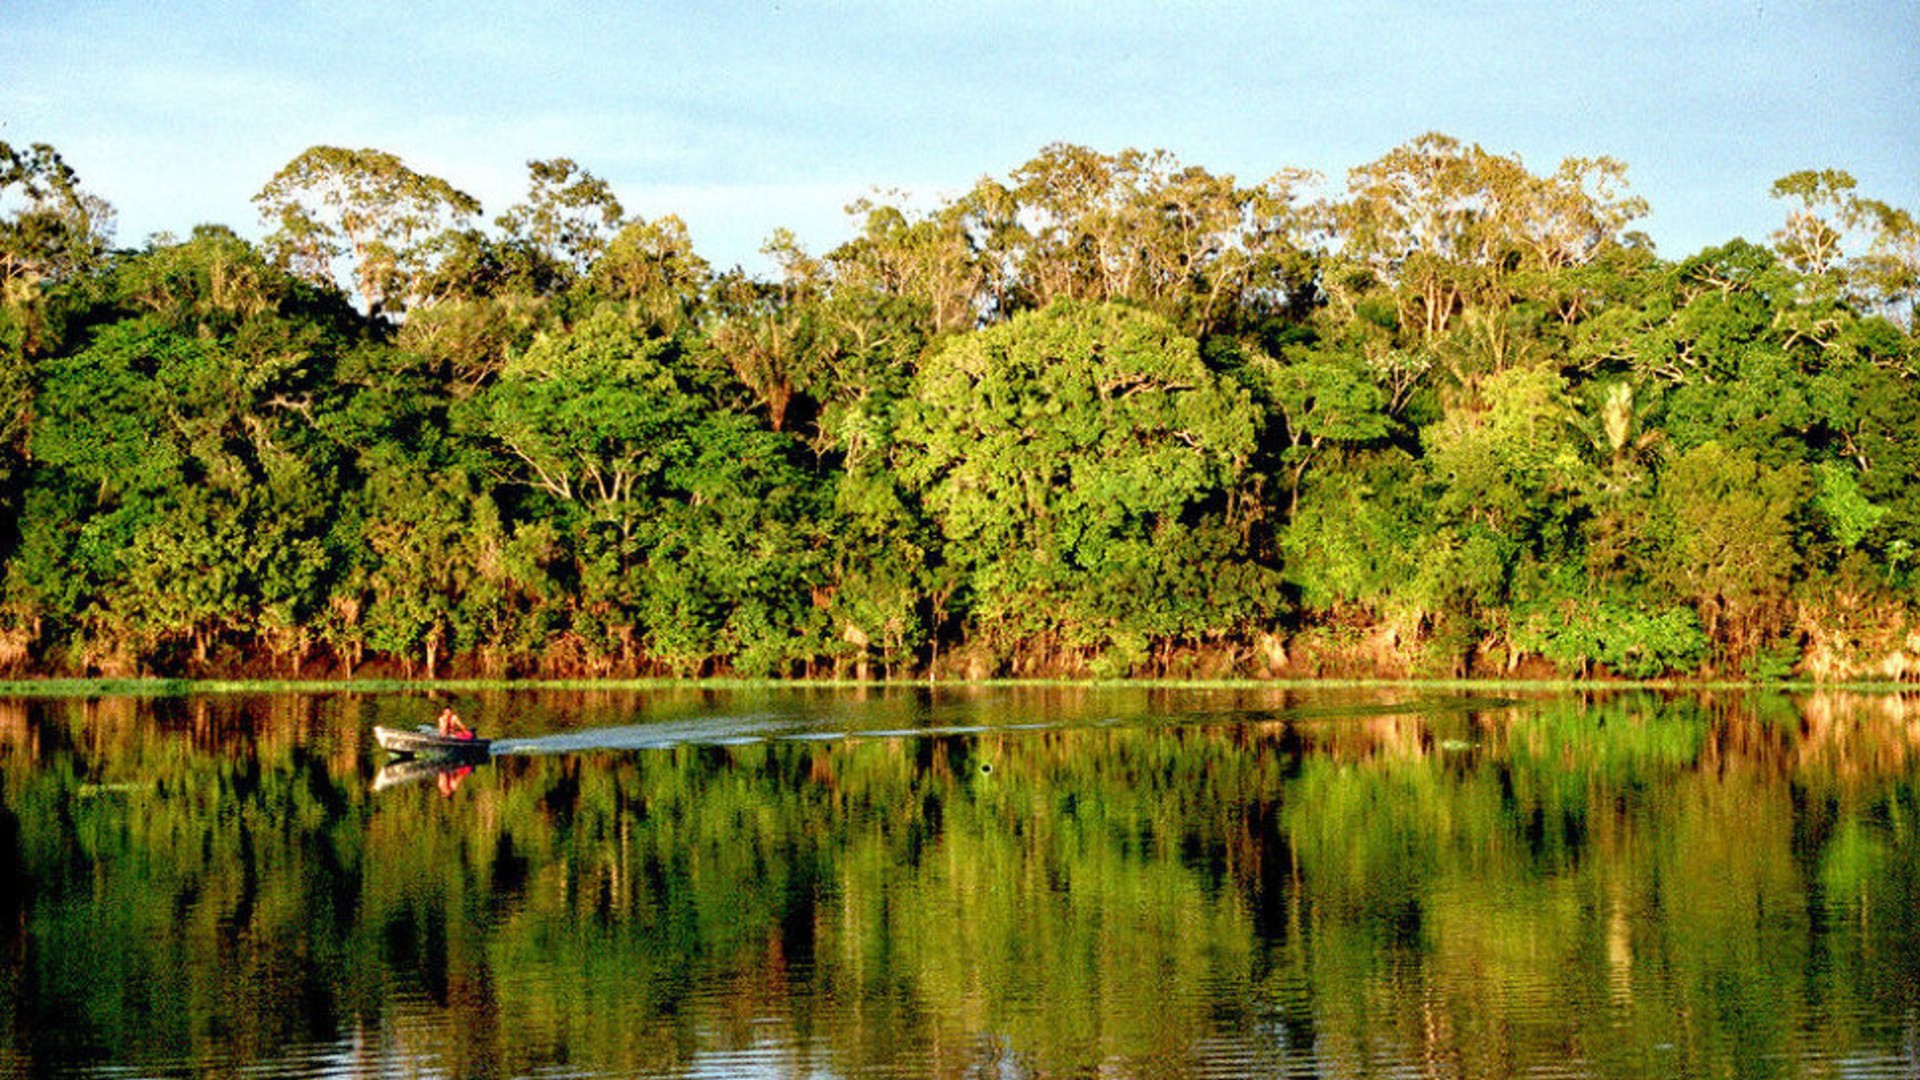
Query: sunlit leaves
[
  {"x": 1450, "y": 227},
  {"x": 1504, "y": 457},
  {"x": 53, "y": 235},
  {"x": 593, "y": 413},
  {"x": 1066, "y": 455},
  {"x": 368, "y": 206},
  {"x": 652, "y": 266},
  {"x": 1850, "y": 515},
  {"x": 688, "y": 523},
  {"x": 1731, "y": 550},
  {"x": 51, "y": 228},
  {"x": 568, "y": 215},
  {"x": 1087, "y": 417}
]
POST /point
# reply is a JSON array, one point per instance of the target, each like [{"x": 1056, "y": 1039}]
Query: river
[{"x": 997, "y": 881}]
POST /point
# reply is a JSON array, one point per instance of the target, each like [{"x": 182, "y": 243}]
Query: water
[{"x": 970, "y": 883}]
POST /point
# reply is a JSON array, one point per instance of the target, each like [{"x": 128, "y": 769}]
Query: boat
[{"x": 427, "y": 741}]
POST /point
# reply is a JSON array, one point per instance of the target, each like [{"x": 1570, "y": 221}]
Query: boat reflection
[{"x": 444, "y": 773}]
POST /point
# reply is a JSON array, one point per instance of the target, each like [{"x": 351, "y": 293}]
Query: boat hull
[{"x": 426, "y": 742}]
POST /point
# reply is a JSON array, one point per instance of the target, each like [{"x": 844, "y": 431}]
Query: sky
[{"x": 746, "y": 117}]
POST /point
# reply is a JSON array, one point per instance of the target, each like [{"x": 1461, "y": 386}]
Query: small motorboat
[{"x": 426, "y": 741}]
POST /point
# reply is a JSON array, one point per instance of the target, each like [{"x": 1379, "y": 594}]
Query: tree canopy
[{"x": 1104, "y": 414}]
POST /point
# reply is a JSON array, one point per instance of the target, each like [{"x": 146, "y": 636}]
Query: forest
[{"x": 1107, "y": 415}]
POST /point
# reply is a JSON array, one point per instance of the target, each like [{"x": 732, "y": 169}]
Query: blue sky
[{"x": 744, "y": 117}]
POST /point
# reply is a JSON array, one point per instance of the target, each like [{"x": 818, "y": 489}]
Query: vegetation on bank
[
  {"x": 456, "y": 689},
  {"x": 1109, "y": 415}
]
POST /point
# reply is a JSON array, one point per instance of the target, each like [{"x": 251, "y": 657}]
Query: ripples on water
[{"x": 993, "y": 884}]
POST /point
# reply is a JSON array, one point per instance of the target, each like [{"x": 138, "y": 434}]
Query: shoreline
[{"x": 53, "y": 687}]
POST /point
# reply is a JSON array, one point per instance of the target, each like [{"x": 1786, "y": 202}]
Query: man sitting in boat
[{"x": 450, "y": 725}]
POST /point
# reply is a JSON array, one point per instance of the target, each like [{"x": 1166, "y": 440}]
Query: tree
[
  {"x": 1449, "y": 229},
  {"x": 1322, "y": 398},
  {"x": 53, "y": 234},
  {"x": 51, "y": 229},
  {"x": 1729, "y": 545},
  {"x": 1861, "y": 249},
  {"x": 591, "y": 413},
  {"x": 1075, "y": 223},
  {"x": 1506, "y": 456},
  {"x": 881, "y": 583},
  {"x": 1366, "y": 540},
  {"x": 368, "y": 205},
  {"x": 1811, "y": 241},
  {"x": 651, "y": 266},
  {"x": 770, "y": 336},
  {"x": 1041, "y": 426},
  {"x": 432, "y": 546},
  {"x": 212, "y": 283},
  {"x": 690, "y": 528},
  {"x": 196, "y": 487},
  {"x": 1072, "y": 460},
  {"x": 1618, "y": 431},
  {"x": 930, "y": 260},
  {"x": 568, "y": 218},
  {"x": 1887, "y": 274}
]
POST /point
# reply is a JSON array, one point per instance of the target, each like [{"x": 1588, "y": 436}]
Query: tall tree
[
  {"x": 651, "y": 267},
  {"x": 771, "y": 336},
  {"x": 1860, "y": 248},
  {"x": 568, "y": 217},
  {"x": 1076, "y": 461},
  {"x": 368, "y": 205},
  {"x": 51, "y": 228},
  {"x": 52, "y": 232},
  {"x": 1449, "y": 229}
]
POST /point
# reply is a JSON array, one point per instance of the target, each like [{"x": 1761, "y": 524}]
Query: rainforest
[{"x": 1105, "y": 415}]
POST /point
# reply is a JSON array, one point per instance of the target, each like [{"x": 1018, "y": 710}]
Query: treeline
[{"x": 1108, "y": 415}]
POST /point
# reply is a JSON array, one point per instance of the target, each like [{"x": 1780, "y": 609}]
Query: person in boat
[{"x": 451, "y": 726}]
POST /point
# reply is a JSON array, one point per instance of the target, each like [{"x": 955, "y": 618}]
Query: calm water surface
[{"x": 1003, "y": 882}]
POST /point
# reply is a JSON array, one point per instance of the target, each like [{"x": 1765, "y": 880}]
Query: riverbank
[{"x": 163, "y": 687}]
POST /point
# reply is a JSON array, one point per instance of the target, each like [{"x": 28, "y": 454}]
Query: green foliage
[
  {"x": 594, "y": 414},
  {"x": 1506, "y": 459},
  {"x": 1622, "y": 635},
  {"x": 51, "y": 229},
  {"x": 1070, "y": 460},
  {"x": 1107, "y": 414},
  {"x": 1362, "y": 540},
  {"x": 652, "y": 268},
  {"x": 367, "y": 206},
  {"x": 689, "y": 524},
  {"x": 878, "y": 571},
  {"x": 567, "y": 217},
  {"x": 1730, "y": 550},
  {"x": 1850, "y": 516},
  {"x": 1321, "y": 399}
]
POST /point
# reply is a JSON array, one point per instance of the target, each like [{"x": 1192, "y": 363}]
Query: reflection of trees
[
  {"x": 1484, "y": 890},
  {"x": 1611, "y": 877},
  {"x": 174, "y": 903}
]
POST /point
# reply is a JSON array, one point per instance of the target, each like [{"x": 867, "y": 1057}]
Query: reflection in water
[
  {"x": 1138, "y": 881},
  {"x": 445, "y": 775}
]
